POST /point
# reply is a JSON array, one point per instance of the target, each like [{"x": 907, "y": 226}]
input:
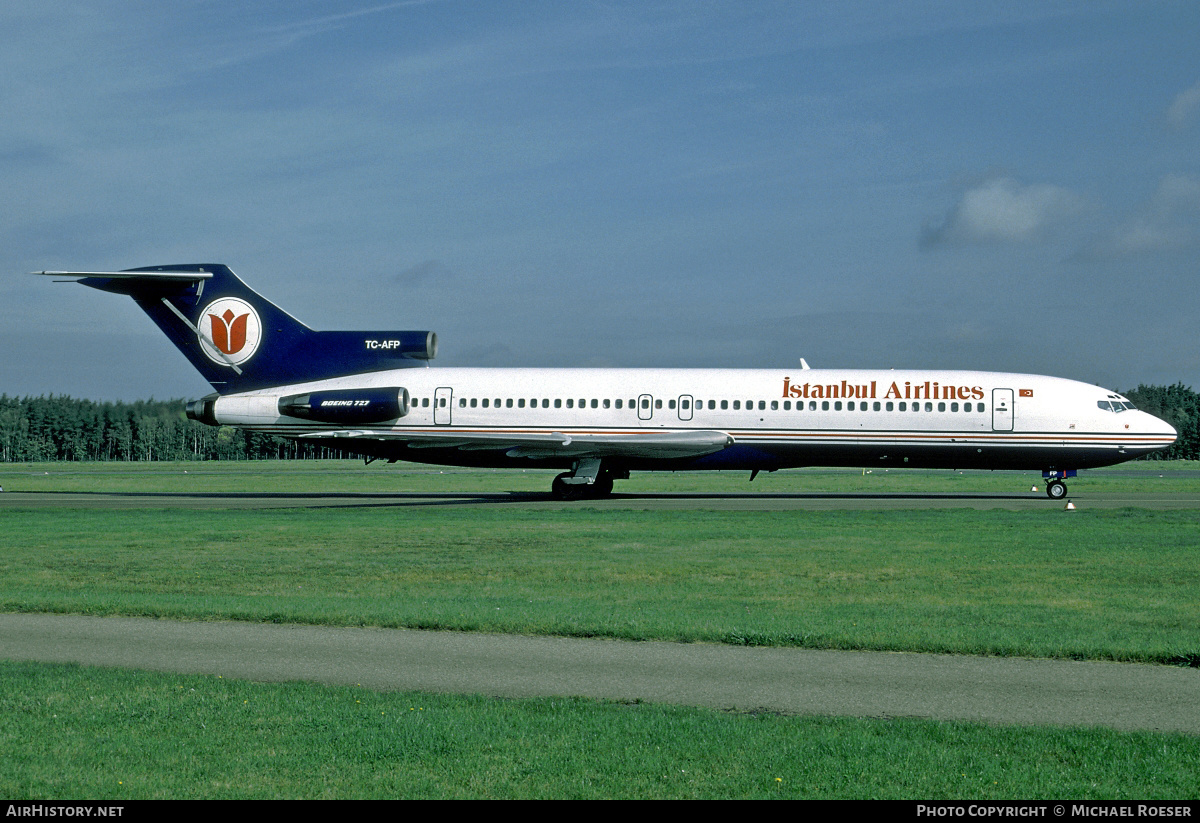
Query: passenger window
[
  {"x": 737, "y": 405},
  {"x": 824, "y": 405},
  {"x": 877, "y": 407},
  {"x": 941, "y": 407},
  {"x": 558, "y": 402}
]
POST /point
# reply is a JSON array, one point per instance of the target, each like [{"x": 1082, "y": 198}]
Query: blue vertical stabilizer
[{"x": 240, "y": 341}]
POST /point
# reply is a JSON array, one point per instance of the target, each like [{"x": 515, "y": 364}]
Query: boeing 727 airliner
[{"x": 367, "y": 393}]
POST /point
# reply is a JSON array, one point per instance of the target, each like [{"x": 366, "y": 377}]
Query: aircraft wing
[{"x": 652, "y": 443}]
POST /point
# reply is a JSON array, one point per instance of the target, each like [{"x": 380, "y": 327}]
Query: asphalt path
[
  {"x": 747, "y": 501},
  {"x": 793, "y": 681}
]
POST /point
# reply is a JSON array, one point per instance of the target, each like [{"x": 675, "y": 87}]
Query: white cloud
[
  {"x": 1001, "y": 210},
  {"x": 1183, "y": 109},
  {"x": 1170, "y": 220}
]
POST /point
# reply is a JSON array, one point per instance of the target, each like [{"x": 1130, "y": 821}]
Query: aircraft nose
[{"x": 1161, "y": 428}]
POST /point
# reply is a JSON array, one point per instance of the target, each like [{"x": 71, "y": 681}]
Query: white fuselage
[{"x": 775, "y": 418}]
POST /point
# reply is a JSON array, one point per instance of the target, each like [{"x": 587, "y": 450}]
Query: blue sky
[{"x": 1010, "y": 186}]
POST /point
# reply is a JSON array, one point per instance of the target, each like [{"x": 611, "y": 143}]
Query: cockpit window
[{"x": 1116, "y": 405}]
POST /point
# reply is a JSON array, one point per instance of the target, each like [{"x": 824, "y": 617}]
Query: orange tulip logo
[{"x": 229, "y": 331}]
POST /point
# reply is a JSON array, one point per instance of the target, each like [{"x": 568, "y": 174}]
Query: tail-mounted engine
[{"x": 347, "y": 406}]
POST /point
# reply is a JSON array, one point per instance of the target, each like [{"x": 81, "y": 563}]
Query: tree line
[
  {"x": 35, "y": 429},
  {"x": 1179, "y": 406}
]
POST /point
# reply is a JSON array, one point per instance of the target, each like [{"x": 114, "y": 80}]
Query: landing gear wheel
[
  {"x": 1056, "y": 490},
  {"x": 567, "y": 491},
  {"x": 603, "y": 486}
]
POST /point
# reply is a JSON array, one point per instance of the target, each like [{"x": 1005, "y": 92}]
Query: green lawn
[
  {"x": 79, "y": 733},
  {"x": 1095, "y": 584}
]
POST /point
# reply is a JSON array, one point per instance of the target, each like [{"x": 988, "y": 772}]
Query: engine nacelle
[
  {"x": 203, "y": 410},
  {"x": 350, "y": 407}
]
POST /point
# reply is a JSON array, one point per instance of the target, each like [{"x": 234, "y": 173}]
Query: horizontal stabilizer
[
  {"x": 132, "y": 282},
  {"x": 145, "y": 276}
]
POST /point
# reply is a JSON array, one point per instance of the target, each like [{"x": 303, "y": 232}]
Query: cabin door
[
  {"x": 1002, "y": 410},
  {"x": 443, "y": 403}
]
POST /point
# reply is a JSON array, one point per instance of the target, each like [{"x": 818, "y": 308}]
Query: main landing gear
[{"x": 588, "y": 480}]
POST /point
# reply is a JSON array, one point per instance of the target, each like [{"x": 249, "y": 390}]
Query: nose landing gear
[{"x": 1056, "y": 489}]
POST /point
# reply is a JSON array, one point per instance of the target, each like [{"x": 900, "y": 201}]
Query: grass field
[
  {"x": 1118, "y": 584},
  {"x": 73, "y": 732}
]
